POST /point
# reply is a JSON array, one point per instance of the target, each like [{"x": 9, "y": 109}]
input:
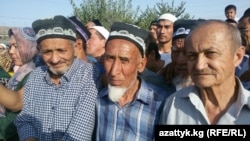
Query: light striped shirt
[
  {"x": 133, "y": 122},
  {"x": 186, "y": 107}
]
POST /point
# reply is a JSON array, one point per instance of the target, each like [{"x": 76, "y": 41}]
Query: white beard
[{"x": 115, "y": 93}]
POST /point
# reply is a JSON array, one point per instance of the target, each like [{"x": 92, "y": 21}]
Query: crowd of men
[{"x": 62, "y": 79}]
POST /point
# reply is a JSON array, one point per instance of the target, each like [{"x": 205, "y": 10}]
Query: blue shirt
[
  {"x": 158, "y": 80},
  {"x": 133, "y": 122},
  {"x": 239, "y": 70},
  {"x": 64, "y": 112}
]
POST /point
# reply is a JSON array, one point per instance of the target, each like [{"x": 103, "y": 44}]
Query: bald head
[
  {"x": 219, "y": 30},
  {"x": 213, "y": 50}
]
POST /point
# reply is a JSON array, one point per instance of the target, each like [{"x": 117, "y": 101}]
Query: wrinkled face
[
  {"x": 14, "y": 52},
  {"x": 230, "y": 14},
  {"x": 58, "y": 54},
  {"x": 244, "y": 27},
  {"x": 164, "y": 31},
  {"x": 210, "y": 58},
  {"x": 95, "y": 45},
  {"x": 122, "y": 62},
  {"x": 178, "y": 55}
]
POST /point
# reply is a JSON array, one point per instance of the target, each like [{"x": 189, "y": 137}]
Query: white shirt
[{"x": 186, "y": 107}]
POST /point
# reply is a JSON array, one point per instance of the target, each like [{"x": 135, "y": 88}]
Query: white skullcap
[
  {"x": 167, "y": 16},
  {"x": 103, "y": 31}
]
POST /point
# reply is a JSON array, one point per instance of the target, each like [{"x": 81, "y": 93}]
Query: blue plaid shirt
[
  {"x": 132, "y": 122},
  {"x": 65, "y": 112}
]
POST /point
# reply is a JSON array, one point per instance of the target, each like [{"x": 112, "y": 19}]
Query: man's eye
[{"x": 191, "y": 56}]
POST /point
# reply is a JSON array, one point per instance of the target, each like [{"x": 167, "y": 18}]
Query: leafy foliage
[{"x": 109, "y": 11}]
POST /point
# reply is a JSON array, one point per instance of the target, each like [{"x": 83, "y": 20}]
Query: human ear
[{"x": 142, "y": 64}]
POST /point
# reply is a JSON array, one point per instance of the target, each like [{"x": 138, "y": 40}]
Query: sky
[{"x": 24, "y": 12}]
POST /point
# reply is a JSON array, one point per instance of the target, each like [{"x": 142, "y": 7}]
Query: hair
[
  {"x": 97, "y": 22},
  {"x": 84, "y": 43},
  {"x": 230, "y": 21},
  {"x": 154, "y": 22},
  {"x": 231, "y": 6},
  {"x": 153, "y": 47},
  {"x": 244, "y": 41},
  {"x": 247, "y": 12},
  {"x": 233, "y": 34},
  {"x": 245, "y": 15}
]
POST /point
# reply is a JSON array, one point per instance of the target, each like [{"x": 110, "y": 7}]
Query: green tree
[
  {"x": 107, "y": 11},
  {"x": 160, "y": 8}
]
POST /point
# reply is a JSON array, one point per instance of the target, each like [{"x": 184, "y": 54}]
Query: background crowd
[{"x": 64, "y": 79}]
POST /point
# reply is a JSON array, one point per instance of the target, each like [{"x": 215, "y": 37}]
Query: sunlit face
[
  {"x": 122, "y": 62},
  {"x": 164, "y": 31},
  {"x": 95, "y": 45},
  {"x": 14, "y": 52},
  {"x": 58, "y": 54},
  {"x": 230, "y": 14},
  {"x": 210, "y": 58},
  {"x": 178, "y": 55}
]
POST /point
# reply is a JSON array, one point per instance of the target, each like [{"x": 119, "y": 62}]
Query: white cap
[
  {"x": 167, "y": 16},
  {"x": 3, "y": 45},
  {"x": 101, "y": 30}
]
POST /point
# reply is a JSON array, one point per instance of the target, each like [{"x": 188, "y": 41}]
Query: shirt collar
[{"x": 242, "y": 99}]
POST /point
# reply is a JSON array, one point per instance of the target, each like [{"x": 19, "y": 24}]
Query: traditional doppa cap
[
  {"x": 131, "y": 33},
  {"x": 80, "y": 28},
  {"x": 56, "y": 27},
  {"x": 167, "y": 16},
  {"x": 102, "y": 30},
  {"x": 182, "y": 27},
  {"x": 181, "y": 32}
]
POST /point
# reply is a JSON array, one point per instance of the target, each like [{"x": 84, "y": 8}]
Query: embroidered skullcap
[
  {"x": 102, "y": 30},
  {"x": 167, "y": 16},
  {"x": 182, "y": 27},
  {"x": 181, "y": 32},
  {"x": 131, "y": 33},
  {"x": 56, "y": 27},
  {"x": 80, "y": 28}
]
